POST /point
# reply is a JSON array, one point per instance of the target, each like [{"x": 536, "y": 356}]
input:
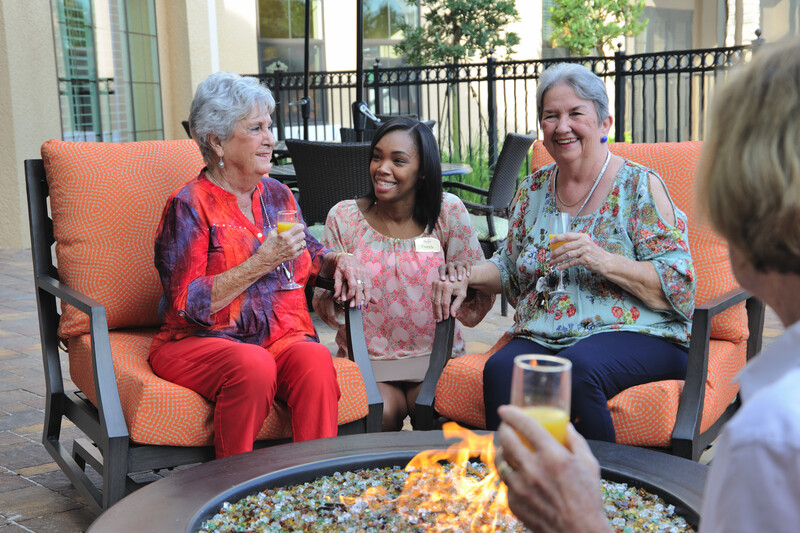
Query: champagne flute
[
  {"x": 287, "y": 219},
  {"x": 558, "y": 223},
  {"x": 542, "y": 386}
]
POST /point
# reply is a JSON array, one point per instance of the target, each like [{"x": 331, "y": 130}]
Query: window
[
  {"x": 381, "y": 31},
  {"x": 107, "y": 64},
  {"x": 281, "y": 35}
]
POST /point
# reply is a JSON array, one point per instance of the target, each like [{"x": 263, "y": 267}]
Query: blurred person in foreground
[
  {"x": 229, "y": 332},
  {"x": 749, "y": 184},
  {"x": 625, "y": 317}
]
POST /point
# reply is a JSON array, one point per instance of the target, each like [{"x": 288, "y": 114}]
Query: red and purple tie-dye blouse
[{"x": 203, "y": 233}]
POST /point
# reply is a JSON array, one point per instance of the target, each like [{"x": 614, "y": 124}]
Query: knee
[
  {"x": 253, "y": 370},
  {"x": 394, "y": 414}
]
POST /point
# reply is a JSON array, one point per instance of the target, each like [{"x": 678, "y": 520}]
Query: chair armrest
[
  {"x": 690, "y": 409},
  {"x": 441, "y": 352},
  {"x": 357, "y": 350},
  {"x": 466, "y": 187},
  {"x": 108, "y": 403}
]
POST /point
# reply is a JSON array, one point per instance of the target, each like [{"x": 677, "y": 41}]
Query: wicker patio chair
[
  {"x": 328, "y": 173},
  {"x": 129, "y": 420},
  {"x": 490, "y": 218},
  {"x": 679, "y": 416}
]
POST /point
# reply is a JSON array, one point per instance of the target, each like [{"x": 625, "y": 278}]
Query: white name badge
[{"x": 427, "y": 244}]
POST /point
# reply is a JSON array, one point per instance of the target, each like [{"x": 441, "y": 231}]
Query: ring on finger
[
  {"x": 503, "y": 469},
  {"x": 359, "y": 282}
]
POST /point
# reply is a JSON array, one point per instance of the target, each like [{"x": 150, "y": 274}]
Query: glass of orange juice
[
  {"x": 542, "y": 386},
  {"x": 558, "y": 223},
  {"x": 287, "y": 219}
]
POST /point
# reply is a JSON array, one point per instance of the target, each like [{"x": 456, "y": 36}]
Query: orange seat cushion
[
  {"x": 643, "y": 415},
  {"x": 106, "y": 201},
  {"x": 160, "y": 412}
]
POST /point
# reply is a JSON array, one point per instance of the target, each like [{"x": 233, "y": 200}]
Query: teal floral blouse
[{"x": 627, "y": 224}]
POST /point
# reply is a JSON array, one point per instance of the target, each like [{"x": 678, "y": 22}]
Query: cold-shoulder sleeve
[{"x": 666, "y": 246}]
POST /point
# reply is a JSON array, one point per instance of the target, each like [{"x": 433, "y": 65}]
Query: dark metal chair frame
[
  {"x": 328, "y": 173},
  {"x": 500, "y": 193},
  {"x": 107, "y": 446},
  {"x": 687, "y": 440}
]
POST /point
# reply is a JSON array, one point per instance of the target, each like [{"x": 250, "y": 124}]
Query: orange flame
[{"x": 445, "y": 488}]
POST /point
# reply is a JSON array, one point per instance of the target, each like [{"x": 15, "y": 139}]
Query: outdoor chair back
[
  {"x": 490, "y": 219},
  {"x": 100, "y": 204},
  {"x": 328, "y": 173},
  {"x": 680, "y": 416}
]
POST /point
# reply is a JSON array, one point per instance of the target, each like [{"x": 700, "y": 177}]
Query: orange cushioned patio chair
[
  {"x": 680, "y": 416},
  {"x": 100, "y": 203}
]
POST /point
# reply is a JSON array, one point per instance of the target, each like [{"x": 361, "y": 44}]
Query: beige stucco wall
[
  {"x": 29, "y": 108},
  {"x": 195, "y": 39}
]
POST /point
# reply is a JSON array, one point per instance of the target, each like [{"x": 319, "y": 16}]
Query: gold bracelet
[{"x": 340, "y": 253}]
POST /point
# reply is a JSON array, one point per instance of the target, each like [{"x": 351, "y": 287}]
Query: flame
[{"x": 445, "y": 488}]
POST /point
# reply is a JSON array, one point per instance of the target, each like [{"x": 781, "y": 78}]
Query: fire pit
[{"x": 182, "y": 501}]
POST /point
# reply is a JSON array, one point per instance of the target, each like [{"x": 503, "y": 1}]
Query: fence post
[
  {"x": 619, "y": 94},
  {"x": 376, "y": 83},
  {"x": 276, "y": 94},
  {"x": 491, "y": 104}
]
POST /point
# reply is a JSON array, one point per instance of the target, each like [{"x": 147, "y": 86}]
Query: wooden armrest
[
  {"x": 357, "y": 350},
  {"x": 690, "y": 409},
  {"x": 105, "y": 381},
  {"x": 441, "y": 352}
]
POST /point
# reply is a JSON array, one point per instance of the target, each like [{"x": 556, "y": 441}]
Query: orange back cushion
[
  {"x": 106, "y": 201},
  {"x": 677, "y": 164}
]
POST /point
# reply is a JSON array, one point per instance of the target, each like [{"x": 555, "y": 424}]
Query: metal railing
[{"x": 655, "y": 97}]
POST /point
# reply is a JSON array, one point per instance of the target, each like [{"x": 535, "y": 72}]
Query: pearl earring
[{"x": 221, "y": 163}]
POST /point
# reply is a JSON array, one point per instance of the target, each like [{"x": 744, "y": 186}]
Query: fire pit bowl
[{"x": 183, "y": 500}]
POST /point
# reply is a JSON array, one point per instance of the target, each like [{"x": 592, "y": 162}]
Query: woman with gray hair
[
  {"x": 750, "y": 186},
  {"x": 229, "y": 332},
  {"x": 624, "y": 318}
]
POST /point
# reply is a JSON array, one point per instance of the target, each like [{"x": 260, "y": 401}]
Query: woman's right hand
[
  {"x": 279, "y": 248},
  {"x": 450, "y": 290}
]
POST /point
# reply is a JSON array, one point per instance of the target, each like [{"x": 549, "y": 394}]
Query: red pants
[{"x": 244, "y": 379}]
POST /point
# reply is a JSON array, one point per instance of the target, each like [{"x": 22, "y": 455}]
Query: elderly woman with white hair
[
  {"x": 229, "y": 332},
  {"x": 625, "y": 317},
  {"x": 750, "y": 186}
]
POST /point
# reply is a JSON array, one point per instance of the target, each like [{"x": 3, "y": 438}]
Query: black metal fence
[{"x": 654, "y": 97}]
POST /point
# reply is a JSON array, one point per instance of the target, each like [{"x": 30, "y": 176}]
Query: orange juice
[
  {"x": 283, "y": 226},
  {"x": 554, "y": 245},
  {"x": 553, "y": 419}
]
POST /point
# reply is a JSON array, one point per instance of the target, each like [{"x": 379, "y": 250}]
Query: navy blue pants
[{"x": 602, "y": 365}]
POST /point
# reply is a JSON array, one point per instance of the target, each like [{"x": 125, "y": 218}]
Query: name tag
[{"x": 427, "y": 244}]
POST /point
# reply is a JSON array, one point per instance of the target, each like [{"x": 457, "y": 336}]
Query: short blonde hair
[{"x": 750, "y": 172}]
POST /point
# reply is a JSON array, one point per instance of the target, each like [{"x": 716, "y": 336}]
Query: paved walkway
[{"x": 35, "y": 496}]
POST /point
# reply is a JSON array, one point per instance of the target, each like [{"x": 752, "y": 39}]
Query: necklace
[
  {"x": 591, "y": 191},
  {"x": 246, "y": 210},
  {"x": 386, "y": 224}
]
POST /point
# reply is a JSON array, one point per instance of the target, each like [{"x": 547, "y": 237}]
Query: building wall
[{"x": 29, "y": 109}]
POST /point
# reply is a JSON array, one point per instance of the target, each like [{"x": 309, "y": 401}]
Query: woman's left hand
[
  {"x": 578, "y": 249},
  {"x": 351, "y": 281}
]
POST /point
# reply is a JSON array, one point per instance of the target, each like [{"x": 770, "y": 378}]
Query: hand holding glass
[
  {"x": 542, "y": 386},
  {"x": 287, "y": 219},
  {"x": 558, "y": 223}
]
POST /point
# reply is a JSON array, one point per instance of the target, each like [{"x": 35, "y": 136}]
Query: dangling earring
[
  {"x": 221, "y": 163},
  {"x": 603, "y": 139}
]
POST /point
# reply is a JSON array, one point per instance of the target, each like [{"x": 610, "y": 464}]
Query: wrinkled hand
[
  {"x": 578, "y": 250},
  {"x": 450, "y": 290},
  {"x": 352, "y": 281},
  {"x": 279, "y": 248},
  {"x": 554, "y": 488}
]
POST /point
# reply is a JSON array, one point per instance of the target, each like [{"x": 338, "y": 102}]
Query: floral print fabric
[
  {"x": 628, "y": 224},
  {"x": 401, "y": 324}
]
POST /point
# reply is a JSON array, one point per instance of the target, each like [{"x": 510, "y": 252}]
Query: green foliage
[
  {"x": 453, "y": 30},
  {"x": 584, "y": 26}
]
